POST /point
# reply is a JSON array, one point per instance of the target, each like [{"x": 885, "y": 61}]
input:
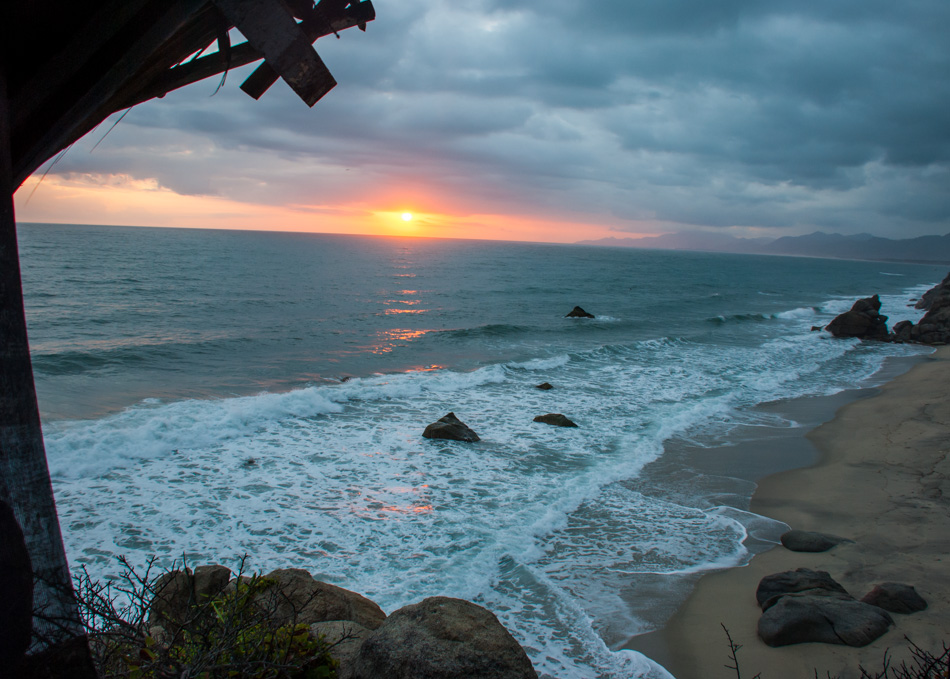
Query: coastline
[{"x": 878, "y": 479}]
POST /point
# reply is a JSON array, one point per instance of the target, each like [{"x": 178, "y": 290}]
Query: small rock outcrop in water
[
  {"x": 450, "y": 428},
  {"x": 442, "y": 638},
  {"x": 810, "y": 541},
  {"x": 577, "y": 312},
  {"x": 895, "y": 597},
  {"x": 556, "y": 419},
  {"x": 809, "y": 606},
  {"x": 942, "y": 290},
  {"x": 544, "y": 386},
  {"x": 862, "y": 321}
]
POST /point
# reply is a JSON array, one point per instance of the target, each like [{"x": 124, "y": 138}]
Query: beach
[{"x": 881, "y": 481}]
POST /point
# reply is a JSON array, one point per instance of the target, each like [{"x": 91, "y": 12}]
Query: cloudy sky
[{"x": 555, "y": 120}]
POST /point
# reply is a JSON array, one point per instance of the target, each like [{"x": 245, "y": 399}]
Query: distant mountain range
[{"x": 930, "y": 249}]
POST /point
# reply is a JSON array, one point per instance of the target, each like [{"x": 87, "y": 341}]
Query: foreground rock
[
  {"x": 178, "y": 592},
  {"x": 346, "y": 638},
  {"x": 810, "y": 541},
  {"x": 862, "y": 321},
  {"x": 810, "y": 606},
  {"x": 896, "y": 598},
  {"x": 556, "y": 419},
  {"x": 577, "y": 312},
  {"x": 934, "y": 327},
  {"x": 296, "y": 597},
  {"x": 825, "y": 617},
  {"x": 450, "y": 428},
  {"x": 442, "y": 638}
]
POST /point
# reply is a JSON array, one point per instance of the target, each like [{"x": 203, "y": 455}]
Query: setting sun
[{"x": 407, "y": 216}]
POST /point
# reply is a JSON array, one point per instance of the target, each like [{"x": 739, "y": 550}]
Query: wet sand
[{"x": 881, "y": 479}]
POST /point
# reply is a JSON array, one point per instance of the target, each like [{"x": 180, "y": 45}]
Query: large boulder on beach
[
  {"x": 772, "y": 587},
  {"x": 895, "y": 597},
  {"x": 442, "y": 638},
  {"x": 934, "y": 327},
  {"x": 825, "y": 617},
  {"x": 450, "y": 428},
  {"x": 577, "y": 312},
  {"x": 810, "y": 541},
  {"x": 292, "y": 595},
  {"x": 555, "y": 419},
  {"x": 863, "y": 321}
]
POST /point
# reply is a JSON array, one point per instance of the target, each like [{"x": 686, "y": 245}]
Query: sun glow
[{"x": 407, "y": 216}]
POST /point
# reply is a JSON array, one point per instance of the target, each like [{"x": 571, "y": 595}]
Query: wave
[{"x": 490, "y": 330}]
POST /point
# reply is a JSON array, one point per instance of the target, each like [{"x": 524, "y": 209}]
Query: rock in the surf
[
  {"x": 544, "y": 386},
  {"x": 556, "y": 419},
  {"x": 577, "y": 312},
  {"x": 941, "y": 290},
  {"x": 442, "y": 638},
  {"x": 863, "y": 321},
  {"x": 810, "y": 541},
  {"x": 450, "y": 428},
  {"x": 895, "y": 597}
]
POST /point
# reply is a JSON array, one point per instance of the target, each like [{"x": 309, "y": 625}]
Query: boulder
[
  {"x": 442, "y": 638},
  {"x": 296, "y": 597},
  {"x": 544, "y": 386},
  {"x": 176, "y": 593},
  {"x": 810, "y": 541},
  {"x": 577, "y": 312},
  {"x": 556, "y": 419},
  {"x": 345, "y": 638},
  {"x": 927, "y": 300},
  {"x": 895, "y": 597},
  {"x": 773, "y": 587},
  {"x": 862, "y": 321},
  {"x": 826, "y": 617},
  {"x": 451, "y": 428},
  {"x": 902, "y": 331}
]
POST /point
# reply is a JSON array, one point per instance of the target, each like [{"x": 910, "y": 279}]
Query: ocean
[{"x": 212, "y": 394}]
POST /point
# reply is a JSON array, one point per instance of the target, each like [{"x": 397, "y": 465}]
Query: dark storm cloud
[{"x": 743, "y": 112}]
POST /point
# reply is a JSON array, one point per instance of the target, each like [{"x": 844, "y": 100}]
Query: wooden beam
[
  {"x": 59, "y": 127},
  {"x": 270, "y": 28},
  {"x": 316, "y": 25}
]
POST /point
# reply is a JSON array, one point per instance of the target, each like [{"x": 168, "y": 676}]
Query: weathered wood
[
  {"x": 316, "y": 25},
  {"x": 270, "y": 28},
  {"x": 119, "y": 63},
  {"x": 24, "y": 476}
]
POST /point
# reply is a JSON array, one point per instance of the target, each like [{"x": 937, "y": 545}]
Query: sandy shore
[{"x": 882, "y": 481}]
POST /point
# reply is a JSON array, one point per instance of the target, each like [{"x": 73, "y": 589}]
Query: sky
[{"x": 557, "y": 121}]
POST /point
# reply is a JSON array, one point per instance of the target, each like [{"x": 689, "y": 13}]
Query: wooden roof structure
[
  {"x": 69, "y": 65},
  {"x": 65, "y": 66}
]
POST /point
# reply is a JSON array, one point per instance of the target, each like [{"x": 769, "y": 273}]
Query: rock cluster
[
  {"x": 863, "y": 321},
  {"x": 805, "y": 605},
  {"x": 809, "y": 606},
  {"x": 438, "y": 638}
]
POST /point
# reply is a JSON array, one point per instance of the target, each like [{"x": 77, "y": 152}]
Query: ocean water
[{"x": 211, "y": 394}]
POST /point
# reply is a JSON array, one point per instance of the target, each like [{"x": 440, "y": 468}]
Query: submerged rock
[
  {"x": 577, "y": 312},
  {"x": 442, "y": 638},
  {"x": 450, "y": 428},
  {"x": 556, "y": 419},
  {"x": 862, "y": 321},
  {"x": 895, "y": 597},
  {"x": 544, "y": 386},
  {"x": 810, "y": 541}
]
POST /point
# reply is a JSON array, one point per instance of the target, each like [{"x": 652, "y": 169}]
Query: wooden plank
[
  {"x": 270, "y": 28},
  {"x": 316, "y": 25},
  {"x": 37, "y": 139}
]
